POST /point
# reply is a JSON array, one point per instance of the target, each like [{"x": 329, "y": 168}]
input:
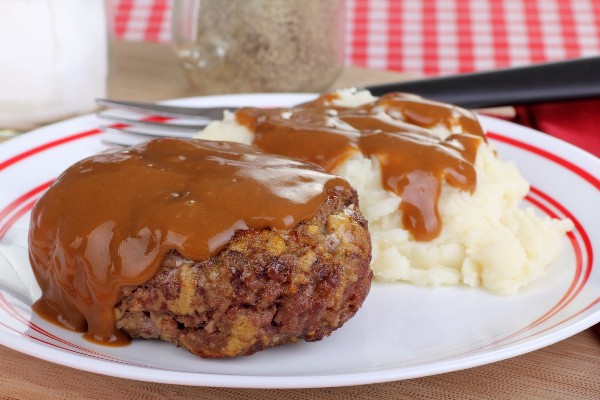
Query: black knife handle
[{"x": 538, "y": 83}]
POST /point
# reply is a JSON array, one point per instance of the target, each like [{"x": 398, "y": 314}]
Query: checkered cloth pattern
[{"x": 430, "y": 37}]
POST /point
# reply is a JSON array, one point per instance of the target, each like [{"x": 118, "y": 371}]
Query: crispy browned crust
[{"x": 264, "y": 289}]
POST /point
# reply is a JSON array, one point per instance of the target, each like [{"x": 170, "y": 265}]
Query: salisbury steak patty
[
  {"x": 214, "y": 246},
  {"x": 266, "y": 288}
]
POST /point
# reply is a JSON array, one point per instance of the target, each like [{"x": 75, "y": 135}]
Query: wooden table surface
[{"x": 569, "y": 369}]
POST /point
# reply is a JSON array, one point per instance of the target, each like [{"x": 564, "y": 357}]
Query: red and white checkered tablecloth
[{"x": 430, "y": 37}]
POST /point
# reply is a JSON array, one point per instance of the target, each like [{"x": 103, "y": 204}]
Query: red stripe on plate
[
  {"x": 571, "y": 293},
  {"x": 576, "y": 285},
  {"x": 554, "y": 309},
  {"x": 570, "y": 317},
  {"x": 578, "y": 227},
  {"x": 13, "y": 205},
  {"x": 70, "y": 138},
  {"x": 22, "y": 211},
  {"x": 550, "y": 156},
  {"x": 46, "y": 146},
  {"x": 10, "y": 310},
  {"x": 24, "y": 334},
  {"x": 13, "y": 312}
]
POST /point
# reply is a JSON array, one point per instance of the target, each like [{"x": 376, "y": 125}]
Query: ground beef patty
[{"x": 264, "y": 289}]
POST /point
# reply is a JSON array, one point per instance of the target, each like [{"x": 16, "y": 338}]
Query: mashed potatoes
[{"x": 486, "y": 239}]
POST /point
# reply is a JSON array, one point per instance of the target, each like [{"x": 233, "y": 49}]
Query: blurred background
[{"x": 428, "y": 37}]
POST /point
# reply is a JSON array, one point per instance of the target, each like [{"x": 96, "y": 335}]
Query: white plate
[{"x": 401, "y": 332}]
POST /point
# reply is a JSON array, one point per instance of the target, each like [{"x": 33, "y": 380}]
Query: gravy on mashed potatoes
[{"x": 442, "y": 208}]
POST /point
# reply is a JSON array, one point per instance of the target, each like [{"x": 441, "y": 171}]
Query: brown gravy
[
  {"x": 396, "y": 129},
  {"x": 108, "y": 221}
]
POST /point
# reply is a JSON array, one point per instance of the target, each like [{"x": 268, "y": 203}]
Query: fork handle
[{"x": 539, "y": 83}]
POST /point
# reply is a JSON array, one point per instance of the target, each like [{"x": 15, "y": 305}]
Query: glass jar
[{"x": 237, "y": 46}]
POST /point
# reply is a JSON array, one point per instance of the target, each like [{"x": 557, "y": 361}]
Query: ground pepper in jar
[{"x": 232, "y": 46}]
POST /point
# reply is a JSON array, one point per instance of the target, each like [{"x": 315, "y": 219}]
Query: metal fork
[
  {"x": 128, "y": 123},
  {"x": 548, "y": 82},
  {"x": 125, "y": 126}
]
